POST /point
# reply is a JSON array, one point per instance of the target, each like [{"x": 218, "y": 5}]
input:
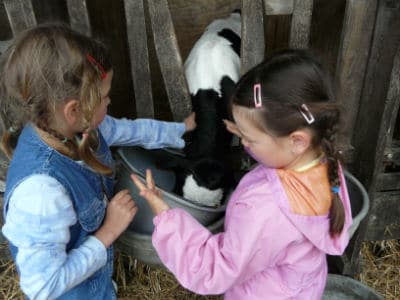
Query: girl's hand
[
  {"x": 120, "y": 213},
  {"x": 151, "y": 193},
  {"x": 190, "y": 122},
  {"x": 232, "y": 128}
]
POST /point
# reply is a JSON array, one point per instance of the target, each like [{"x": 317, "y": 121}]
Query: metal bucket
[
  {"x": 140, "y": 246},
  {"x": 359, "y": 201},
  {"x": 137, "y": 160},
  {"x": 340, "y": 287}
]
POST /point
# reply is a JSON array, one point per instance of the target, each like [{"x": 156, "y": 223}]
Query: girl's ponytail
[{"x": 336, "y": 212}]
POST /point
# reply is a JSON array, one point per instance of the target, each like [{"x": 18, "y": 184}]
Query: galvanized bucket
[
  {"x": 340, "y": 287},
  {"x": 137, "y": 160}
]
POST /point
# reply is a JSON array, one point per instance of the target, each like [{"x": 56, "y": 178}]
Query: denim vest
[{"x": 86, "y": 189}]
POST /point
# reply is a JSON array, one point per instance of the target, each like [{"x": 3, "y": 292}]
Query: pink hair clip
[
  {"x": 99, "y": 66},
  {"x": 257, "y": 95},
  {"x": 307, "y": 114}
]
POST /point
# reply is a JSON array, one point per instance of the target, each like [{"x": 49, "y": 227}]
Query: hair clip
[
  {"x": 335, "y": 189},
  {"x": 307, "y": 114},
  {"x": 99, "y": 66},
  {"x": 257, "y": 95}
]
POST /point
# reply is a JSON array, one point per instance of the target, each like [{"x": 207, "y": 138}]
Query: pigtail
[
  {"x": 88, "y": 144},
  {"x": 336, "y": 212},
  {"x": 5, "y": 144},
  {"x": 86, "y": 151}
]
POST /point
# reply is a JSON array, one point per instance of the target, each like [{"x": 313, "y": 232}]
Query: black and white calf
[{"x": 212, "y": 69}]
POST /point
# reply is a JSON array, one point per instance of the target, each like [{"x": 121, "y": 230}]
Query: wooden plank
[
  {"x": 393, "y": 99},
  {"x": 391, "y": 155},
  {"x": 369, "y": 136},
  {"x": 353, "y": 55},
  {"x": 4, "y": 45},
  {"x": 20, "y": 14},
  {"x": 79, "y": 17},
  {"x": 170, "y": 60},
  {"x": 278, "y": 7},
  {"x": 384, "y": 221},
  {"x": 192, "y": 17},
  {"x": 388, "y": 181},
  {"x": 301, "y": 24},
  {"x": 370, "y": 124},
  {"x": 253, "y": 43},
  {"x": 139, "y": 56}
]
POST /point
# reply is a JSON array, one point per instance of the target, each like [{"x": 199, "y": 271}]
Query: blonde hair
[{"x": 44, "y": 66}]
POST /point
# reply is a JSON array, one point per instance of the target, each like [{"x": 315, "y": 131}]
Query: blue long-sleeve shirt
[{"x": 40, "y": 213}]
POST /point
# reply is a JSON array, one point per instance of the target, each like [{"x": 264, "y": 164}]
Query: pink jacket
[{"x": 265, "y": 252}]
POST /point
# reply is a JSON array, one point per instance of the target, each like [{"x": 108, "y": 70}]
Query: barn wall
[{"x": 190, "y": 18}]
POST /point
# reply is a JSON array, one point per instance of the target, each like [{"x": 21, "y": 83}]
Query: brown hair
[
  {"x": 289, "y": 79},
  {"x": 46, "y": 65}
]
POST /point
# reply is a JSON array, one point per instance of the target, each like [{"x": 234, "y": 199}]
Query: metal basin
[
  {"x": 340, "y": 287},
  {"x": 137, "y": 160},
  {"x": 140, "y": 246}
]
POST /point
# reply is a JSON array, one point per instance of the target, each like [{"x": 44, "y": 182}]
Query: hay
[
  {"x": 381, "y": 267},
  {"x": 139, "y": 281},
  {"x": 9, "y": 288},
  {"x": 381, "y": 271}
]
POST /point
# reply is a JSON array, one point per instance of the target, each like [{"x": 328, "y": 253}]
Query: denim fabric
[
  {"x": 85, "y": 188},
  {"x": 50, "y": 214}
]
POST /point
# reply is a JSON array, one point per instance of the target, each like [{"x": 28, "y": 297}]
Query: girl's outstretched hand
[
  {"x": 151, "y": 193},
  {"x": 120, "y": 212}
]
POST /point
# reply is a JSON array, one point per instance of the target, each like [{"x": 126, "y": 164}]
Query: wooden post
[
  {"x": 139, "y": 56},
  {"x": 278, "y": 7},
  {"x": 358, "y": 26},
  {"x": 4, "y": 45},
  {"x": 170, "y": 60},
  {"x": 367, "y": 132},
  {"x": 79, "y": 17},
  {"x": 301, "y": 24},
  {"x": 253, "y": 42},
  {"x": 390, "y": 152},
  {"x": 20, "y": 14}
]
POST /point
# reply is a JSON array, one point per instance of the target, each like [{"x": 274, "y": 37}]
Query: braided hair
[{"x": 294, "y": 87}]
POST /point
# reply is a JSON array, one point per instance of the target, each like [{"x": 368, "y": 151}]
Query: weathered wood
[
  {"x": 352, "y": 59},
  {"x": 367, "y": 134},
  {"x": 374, "y": 115},
  {"x": 253, "y": 41},
  {"x": 393, "y": 100},
  {"x": 190, "y": 18},
  {"x": 20, "y": 14},
  {"x": 79, "y": 17},
  {"x": 301, "y": 24},
  {"x": 168, "y": 55},
  {"x": 139, "y": 56},
  {"x": 388, "y": 182},
  {"x": 4, "y": 45},
  {"x": 384, "y": 221},
  {"x": 278, "y": 7},
  {"x": 391, "y": 155}
]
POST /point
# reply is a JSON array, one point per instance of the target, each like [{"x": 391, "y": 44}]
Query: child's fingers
[
  {"x": 138, "y": 183},
  {"x": 149, "y": 180},
  {"x": 121, "y": 194}
]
